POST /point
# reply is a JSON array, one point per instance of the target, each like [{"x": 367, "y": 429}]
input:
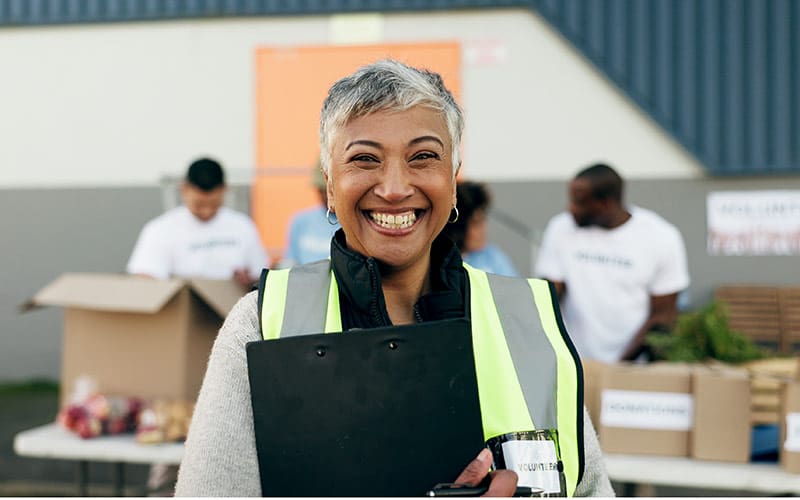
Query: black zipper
[
  {"x": 375, "y": 311},
  {"x": 417, "y": 314}
]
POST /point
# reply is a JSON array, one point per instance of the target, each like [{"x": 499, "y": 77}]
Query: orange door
[{"x": 291, "y": 84}]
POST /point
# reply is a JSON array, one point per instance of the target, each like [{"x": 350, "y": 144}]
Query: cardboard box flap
[
  {"x": 107, "y": 292},
  {"x": 220, "y": 295}
]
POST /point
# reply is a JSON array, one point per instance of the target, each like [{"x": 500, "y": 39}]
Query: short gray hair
[{"x": 381, "y": 86}]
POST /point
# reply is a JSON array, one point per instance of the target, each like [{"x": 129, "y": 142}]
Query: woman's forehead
[{"x": 393, "y": 125}]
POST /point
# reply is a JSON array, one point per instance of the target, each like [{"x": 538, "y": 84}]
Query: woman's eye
[
  {"x": 363, "y": 158},
  {"x": 426, "y": 155}
]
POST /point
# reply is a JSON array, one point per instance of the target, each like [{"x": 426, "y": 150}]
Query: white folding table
[
  {"x": 765, "y": 478},
  {"x": 53, "y": 441}
]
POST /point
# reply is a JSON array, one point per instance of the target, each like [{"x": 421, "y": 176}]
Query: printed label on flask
[{"x": 535, "y": 462}]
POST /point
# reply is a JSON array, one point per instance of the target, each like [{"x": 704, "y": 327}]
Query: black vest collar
[{"x": 361, "y": 296}]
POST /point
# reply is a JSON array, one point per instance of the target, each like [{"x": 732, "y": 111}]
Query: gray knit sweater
[{"x": 220, "y": 454}]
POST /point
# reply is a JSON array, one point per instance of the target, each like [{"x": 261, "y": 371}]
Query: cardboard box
[
  {"x": 646, "y": 409},
  {"x": 722, "y": 430},
  {"x": 790, "y": 428},
  {"x": 767, "y": 377},
  {"x": 136, "y": 336},
  {"x": 593, "y": 372}
]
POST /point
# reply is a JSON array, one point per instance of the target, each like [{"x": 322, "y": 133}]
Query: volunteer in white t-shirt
[
  {"x": 618, "y": 270},
  {"x": 201, "y": 238}
]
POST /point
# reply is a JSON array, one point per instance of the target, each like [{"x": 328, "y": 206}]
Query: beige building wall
[
  {"x": 125, "y": 104},
  {"x": 92, "y": 116}
]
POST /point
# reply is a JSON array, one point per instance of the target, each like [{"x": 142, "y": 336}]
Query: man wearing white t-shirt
[
  {"x": 201, "y": 238},
  {"x": 617, "y": 270}
]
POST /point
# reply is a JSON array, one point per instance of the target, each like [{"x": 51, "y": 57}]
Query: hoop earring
[
  {"x": 451, "y": 215},
  {"x": 335, "y": 220}
]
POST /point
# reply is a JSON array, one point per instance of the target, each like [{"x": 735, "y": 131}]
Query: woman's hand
[{"x": 502, "y": 483}]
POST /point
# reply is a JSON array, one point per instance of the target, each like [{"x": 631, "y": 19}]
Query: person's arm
[
  {"x": 220, "y": 455},
  {"x": 595, "y": 481},
  {"x": 150, "y": 255},
  {"x": 663, "y": 312},
  {"x": 671, "y": 277}
]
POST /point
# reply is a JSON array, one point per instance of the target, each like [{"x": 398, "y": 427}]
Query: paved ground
[{"x": 29, "y": 405}]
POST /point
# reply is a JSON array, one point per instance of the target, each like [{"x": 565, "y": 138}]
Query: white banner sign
[
  {"x": 665, "y": 411},
  {"x": 753, "y": 222}
]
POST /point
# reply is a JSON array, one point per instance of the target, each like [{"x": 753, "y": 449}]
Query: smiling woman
[
  {"x": 392, "y": 186},
  {"x": 389, "y": 139}
]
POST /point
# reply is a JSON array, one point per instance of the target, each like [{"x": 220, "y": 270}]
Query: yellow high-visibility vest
[{"x": 528, "y": 372}]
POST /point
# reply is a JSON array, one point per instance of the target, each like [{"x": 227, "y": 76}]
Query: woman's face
[{"x": 392, "y": 185}]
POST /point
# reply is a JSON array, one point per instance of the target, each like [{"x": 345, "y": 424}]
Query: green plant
[{"x": 701, "y": 335}]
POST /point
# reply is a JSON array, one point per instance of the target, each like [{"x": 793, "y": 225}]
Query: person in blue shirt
[
  {"x": 468, "y": 232},
  {"x": 310, "y": 233}
]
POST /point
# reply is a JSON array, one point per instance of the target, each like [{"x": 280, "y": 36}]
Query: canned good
[{"x": 535, "y": 457}]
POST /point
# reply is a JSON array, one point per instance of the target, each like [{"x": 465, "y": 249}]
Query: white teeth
[{"x": 394, "y": 221}]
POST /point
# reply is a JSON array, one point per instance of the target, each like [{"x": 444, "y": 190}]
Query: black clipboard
[{"x": 378, "y": 412}]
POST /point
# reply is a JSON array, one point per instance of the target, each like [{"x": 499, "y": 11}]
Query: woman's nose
[{"x": 395, "y": 183}]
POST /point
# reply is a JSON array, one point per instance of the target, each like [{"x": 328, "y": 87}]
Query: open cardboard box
[{"x": 136, "y": 336}]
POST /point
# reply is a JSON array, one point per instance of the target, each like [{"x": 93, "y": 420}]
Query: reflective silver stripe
[
  {"x": 306, "y": 299},
  {"x": 534, "y": 358}
]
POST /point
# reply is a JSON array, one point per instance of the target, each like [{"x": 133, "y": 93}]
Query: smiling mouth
[{"x": 402, "y": 220}]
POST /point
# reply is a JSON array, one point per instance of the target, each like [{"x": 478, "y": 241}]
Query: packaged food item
[
  {"x": 164, "y": 421},
  {"x": 99, "y": 414},
  {"x": 90, "y": 413}
]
